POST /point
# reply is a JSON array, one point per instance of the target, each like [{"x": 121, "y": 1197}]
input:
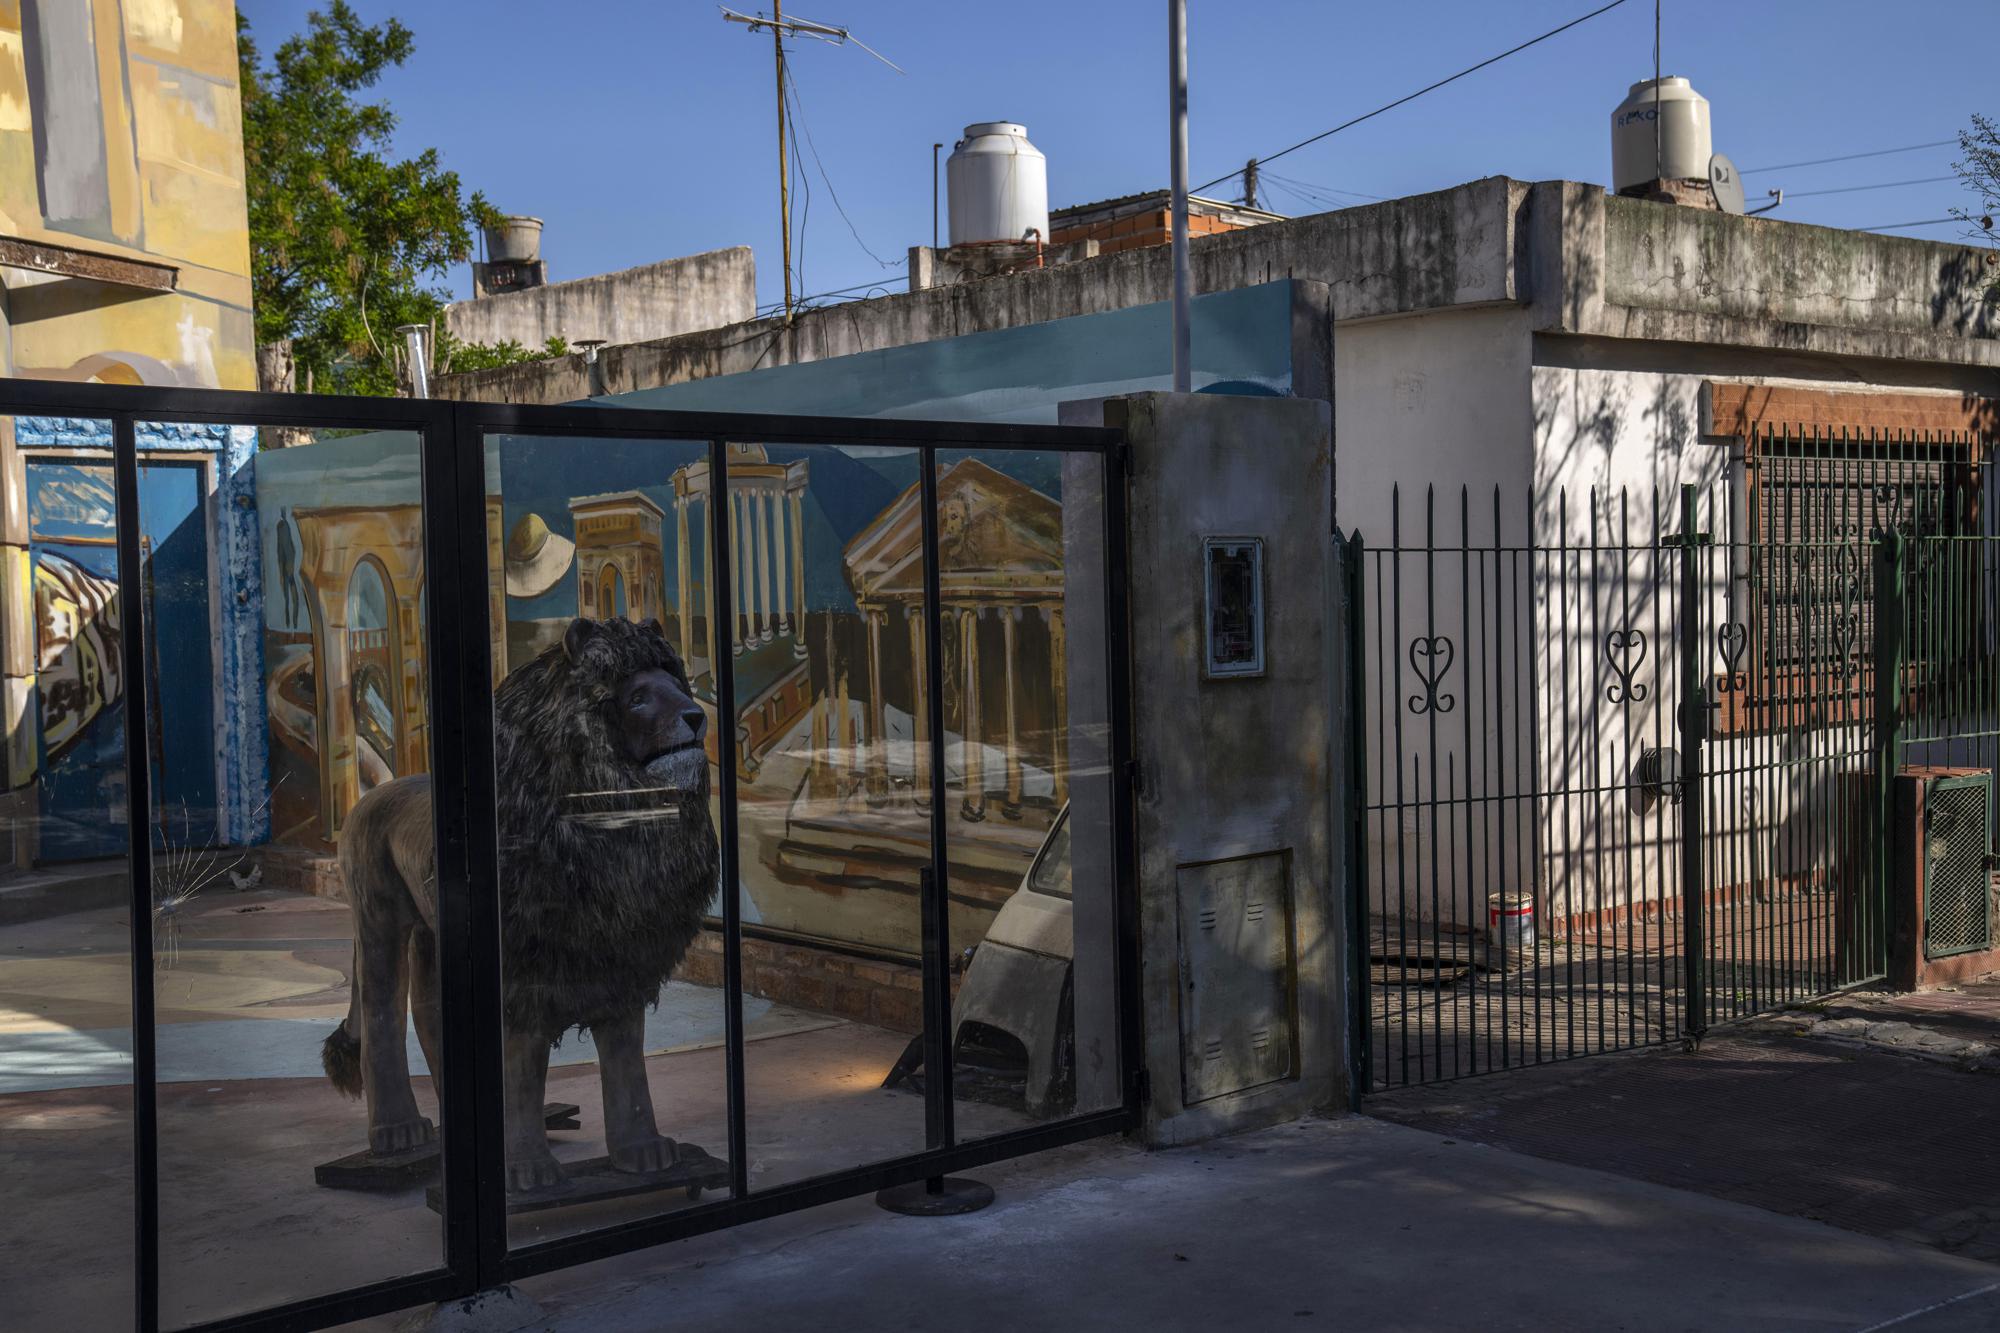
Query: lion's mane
[{"x": 593, "y": 919}]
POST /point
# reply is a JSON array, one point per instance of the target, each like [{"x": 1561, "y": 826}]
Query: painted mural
[
  {"x": 341, "y": 534},
  {"x": 823, "y": 630}
]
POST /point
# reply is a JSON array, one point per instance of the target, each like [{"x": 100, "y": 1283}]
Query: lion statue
[{"x": 607, "y": 863}]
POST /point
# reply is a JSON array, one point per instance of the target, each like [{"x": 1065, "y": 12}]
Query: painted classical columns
[
  {"x": 920, "y": 754},
  {"x": 878, "y": 730},
  {"x": 1059, "y": 680},
  {"x": 685, "y": 612},
  {"x": 774, "y": 521},
  {"x": 972, "y": 748},
  {"x": 796, "y": 496},
  {"x": 1011, "y": 807}
]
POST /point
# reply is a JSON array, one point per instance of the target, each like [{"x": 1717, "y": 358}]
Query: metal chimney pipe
[
  {"x": 416, "y": 342},
  {"x": 1177, "y": 95}
]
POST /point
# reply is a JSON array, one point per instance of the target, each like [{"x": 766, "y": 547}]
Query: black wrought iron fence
[{"x": 1616, "y": 755}]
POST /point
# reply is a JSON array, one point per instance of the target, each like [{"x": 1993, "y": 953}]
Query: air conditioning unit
[{"x": 1941, "y": 884}]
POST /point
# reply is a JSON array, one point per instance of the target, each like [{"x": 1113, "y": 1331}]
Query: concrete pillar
[
  {"x": 972, "y": 806},
  {"x": 1010, "y": 808},
  {"x": 798, "y": 573},
  {"x": 683, "y": 612},
  {"x": 920, "y": 753},
  {"x": 1271, "y": 742}
]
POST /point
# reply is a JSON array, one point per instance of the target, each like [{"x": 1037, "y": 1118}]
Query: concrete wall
[
  {"x": 674, "y": 296},
  {"x": 1580, "y": 262},
  {"x": 1233, "y": 773}
]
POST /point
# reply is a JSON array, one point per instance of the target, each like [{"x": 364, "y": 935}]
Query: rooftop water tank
[
  {"x": 1684, "y": 143},
  {"x": 999, "y": 185}
]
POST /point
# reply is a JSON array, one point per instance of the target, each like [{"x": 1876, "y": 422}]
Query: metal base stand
[{"x": 942, "y": 1196}]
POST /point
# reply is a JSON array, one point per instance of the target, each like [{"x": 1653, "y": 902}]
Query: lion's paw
[
  {"x": 644, "y": 1157},
  {"x": 532, "y": 1171},
  {"x": 401, "y": 1136}
]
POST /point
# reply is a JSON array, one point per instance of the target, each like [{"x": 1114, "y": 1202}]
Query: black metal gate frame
[{"x": 477, "y": 1256}]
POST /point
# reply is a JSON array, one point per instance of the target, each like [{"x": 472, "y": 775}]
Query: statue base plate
[
  {"x": 595, "y": 1179},
  {"x": 385, "y": 1173},
  {"x": 955, "y": 1195}
]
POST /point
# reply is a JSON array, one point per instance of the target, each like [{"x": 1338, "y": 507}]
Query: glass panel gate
[
  {"x": 1615, "y": 757},
  {"x": 554, "y": 831}
]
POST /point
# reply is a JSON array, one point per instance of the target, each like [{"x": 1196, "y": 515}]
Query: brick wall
[
  {"x": 885, "y": 995},
  {"x": 1746, "y": 410}
]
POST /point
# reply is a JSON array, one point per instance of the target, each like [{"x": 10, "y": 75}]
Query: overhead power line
[
  {"x": 1902, "y": 226},
  {"x": 1429, "y": 88},
  {"x": 1850, "y": 157},
  {"x": 1880, "y": 185}
]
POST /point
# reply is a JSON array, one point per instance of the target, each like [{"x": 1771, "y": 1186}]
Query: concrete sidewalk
[{"x": 1349, "y": 1224}]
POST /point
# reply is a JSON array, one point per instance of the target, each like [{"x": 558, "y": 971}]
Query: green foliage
[
  {"x": 452, "y": 356},
  {"x": 344, "y": 241}
]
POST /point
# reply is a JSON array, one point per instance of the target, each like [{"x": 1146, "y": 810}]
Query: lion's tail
[{"x": 340, "y": 1053}]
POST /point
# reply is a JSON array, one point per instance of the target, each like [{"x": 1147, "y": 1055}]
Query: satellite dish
[{"x": 1726, "y": 184}]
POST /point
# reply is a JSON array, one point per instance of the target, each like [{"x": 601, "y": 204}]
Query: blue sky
[{"x": 642, "y": 129}]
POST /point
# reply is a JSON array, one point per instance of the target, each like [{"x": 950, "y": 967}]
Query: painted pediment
[{"x": 995, "y": 535}]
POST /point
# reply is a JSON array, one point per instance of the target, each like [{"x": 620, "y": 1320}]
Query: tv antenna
[{"x": 781, "y": 28}]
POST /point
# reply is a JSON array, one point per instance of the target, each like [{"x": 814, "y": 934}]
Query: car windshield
[{"x": 1051, "y": 872}]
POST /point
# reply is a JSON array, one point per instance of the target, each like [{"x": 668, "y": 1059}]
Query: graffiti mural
[{"x": 78, "y": 672}]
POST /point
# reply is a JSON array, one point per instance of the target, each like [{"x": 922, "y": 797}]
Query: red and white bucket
[{"x": 1510, "y": 920}]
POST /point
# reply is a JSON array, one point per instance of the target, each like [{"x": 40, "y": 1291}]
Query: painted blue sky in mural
[
  {"x": 1242, "y": 344},
  {"x": 847, "y": 490}
]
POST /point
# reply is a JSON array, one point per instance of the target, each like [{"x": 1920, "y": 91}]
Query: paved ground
[
  {"x": 252, "y": 985},
  {"x": 1351, "y": 1224},
  {"x": 1443, "y": 1005},
  {"x": 1866, "y": 1138}
]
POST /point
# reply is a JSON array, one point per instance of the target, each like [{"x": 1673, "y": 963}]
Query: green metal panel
[{"x": 1958, "y": 885}]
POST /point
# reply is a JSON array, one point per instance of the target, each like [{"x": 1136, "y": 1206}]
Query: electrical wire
[
  {"x": 1849, "y": 157},
  {"x": 798, "y": 122},
  {"x": 1429, "y": 88},
  {"x": 1880, "y": 185},
  {"x": 1326, "y": 190},
  {"x": 1901, "y": 226}
]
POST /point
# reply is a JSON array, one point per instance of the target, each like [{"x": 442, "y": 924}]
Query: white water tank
[
  {"x": 999, "y": 185},
  {"x": 1684, "y": 142}
]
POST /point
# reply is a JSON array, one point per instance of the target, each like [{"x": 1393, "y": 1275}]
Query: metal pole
[
  {"x": 784, "y": 171},
  {"x": 414, "y": 342},
  {"x": 139, "y": 869},
  {"x": 1659, "y": 134},
  {"x": 1177, "y": 101},
  {"x": 1873, "y": 926},
  {"x": 934, "y": 194},
  {"x": 722, "y": 675},
  {"x": 1694, "y": 795}
]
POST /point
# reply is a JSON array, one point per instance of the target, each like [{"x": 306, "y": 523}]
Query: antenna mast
[{"x": 781, "y": 28}]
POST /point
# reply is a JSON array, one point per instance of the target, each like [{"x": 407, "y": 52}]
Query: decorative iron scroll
[
  {"x": 1625, "y": 649},
  {"x": 1732, "y": 640},
  {"x": 1431, "y": 657}
]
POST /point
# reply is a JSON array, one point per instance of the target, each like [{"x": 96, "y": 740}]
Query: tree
[
  {"x": 1979, "y": 169},
  {"x": 345, "y": 242}
]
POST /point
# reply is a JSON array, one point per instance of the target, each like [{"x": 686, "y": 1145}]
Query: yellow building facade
[{"x": 124, "y": 233}]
